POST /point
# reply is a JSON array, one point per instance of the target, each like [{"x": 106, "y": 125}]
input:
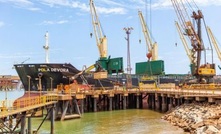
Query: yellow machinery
[
  {"x": 152, "y": 47},
  {"x": 99, "y": 74},
  {"x": 203, "y": 72}
]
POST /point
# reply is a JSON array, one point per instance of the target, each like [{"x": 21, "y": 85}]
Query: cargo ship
[{"x": 50, "y": 75}]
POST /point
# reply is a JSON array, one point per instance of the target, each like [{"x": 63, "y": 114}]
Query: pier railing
[
  {"x": 194, "y": 90},
  {"x": 9, "y": 105}
]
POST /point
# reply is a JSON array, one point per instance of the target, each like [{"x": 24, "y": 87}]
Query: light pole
[
  {"x": 29, "y": 86},
  {"x": 51, "y": 82},
  {"x": 40, "y": 87},
  {"x": 129, "y": 80}
]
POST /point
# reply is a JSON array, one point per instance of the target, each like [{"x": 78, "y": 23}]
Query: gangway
[
  {"x": 27, "y": 104},
  {"x": 11, "y": 117}
]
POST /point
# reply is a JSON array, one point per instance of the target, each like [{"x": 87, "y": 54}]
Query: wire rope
[
  {"x": 208, "y": 38},
  {"x": 195, "y": 4}
]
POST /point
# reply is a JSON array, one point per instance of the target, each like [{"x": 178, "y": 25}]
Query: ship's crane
[
  {"x": 214, "y": 42},
  {"x": 203, "y": 72},
  {"x": 101, "y": 39},
  {"x": 152, "y": 47}
]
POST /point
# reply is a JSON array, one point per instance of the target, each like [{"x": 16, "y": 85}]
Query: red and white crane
[{"x": 152, "y": 47}]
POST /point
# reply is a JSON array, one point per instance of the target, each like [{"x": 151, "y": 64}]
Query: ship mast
[{"x": 46, "y": 47}]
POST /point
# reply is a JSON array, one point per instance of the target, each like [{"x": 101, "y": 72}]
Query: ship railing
[{"x": 27, "y": 102}]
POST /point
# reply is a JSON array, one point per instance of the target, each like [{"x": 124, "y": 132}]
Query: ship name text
[{"x": 53, "y": 70}]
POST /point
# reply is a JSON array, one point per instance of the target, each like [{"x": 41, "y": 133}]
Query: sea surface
[
  {"x": 134, "y": 121},
  {"x": 131, "y": 121}
]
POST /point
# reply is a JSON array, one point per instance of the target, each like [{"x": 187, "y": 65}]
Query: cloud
[
  {"x": 2, "y": 23},
  {"x": 103, "y": 6},
  {"x": 162, "y": 3},
  {"x": 24, "y": 4},
  {"x": 168, "y": 3},
  {"x": 18, "y": 2},
  {"x": 62, "y": 22},
  {"x": 53, "y": 3},
  {"x": 109, "y": 2},
  {"x": 103, "y": 10},
  {"x": 108, "y": 6},
  {"x": 85, "y": 7},
  {"x": 65, "y": 3},
  {"x": 81, "y": 6},
  {"x": 33, "y": 9},
  {"x": 111, "y": 7},
  {"x": 54, "y": 22},
  {"x": 208, "y": 2}
]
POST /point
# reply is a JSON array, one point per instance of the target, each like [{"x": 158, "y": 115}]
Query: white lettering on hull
[{"x": 61, "y": 70}]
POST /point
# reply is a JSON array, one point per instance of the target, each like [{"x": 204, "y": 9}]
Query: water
[
  {"x": 135, "y": 121},
  {"x": 112, "y": 122}
]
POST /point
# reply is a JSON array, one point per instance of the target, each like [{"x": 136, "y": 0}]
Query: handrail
[{"x": 26, "y": 102}]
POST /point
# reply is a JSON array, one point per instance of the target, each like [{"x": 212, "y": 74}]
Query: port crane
[
  {"x": 214, "y": 42},
  {"x": 203, "y": 72},
  {"x": 101, "y": 39},
  {"x": 101, "y": 43},
  {"x": 114, "y": 65},
  {"x": 153, "y": 66},
  {"x": 152, "y": 47}
]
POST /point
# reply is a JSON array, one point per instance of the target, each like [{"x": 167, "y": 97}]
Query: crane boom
[
  {"x": 188, "y": 52},
  {"x": 189, "y": 30},
  {"x": 215, "y": 44},
  {"x": 101, "y": 39},
  {"x": 205, "y": 71},
  {"x": 152, "y": 47}
]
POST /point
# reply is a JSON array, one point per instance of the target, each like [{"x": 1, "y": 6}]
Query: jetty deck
[{"x": 72, "y": 104}]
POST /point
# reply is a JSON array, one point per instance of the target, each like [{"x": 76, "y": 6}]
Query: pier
[{"x": 72, "y": 104}]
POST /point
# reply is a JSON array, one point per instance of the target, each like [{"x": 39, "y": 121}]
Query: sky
[{"x": 23, "y": 24}]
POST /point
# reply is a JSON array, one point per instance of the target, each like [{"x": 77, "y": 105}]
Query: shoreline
[{"x": 196, "y": 117}]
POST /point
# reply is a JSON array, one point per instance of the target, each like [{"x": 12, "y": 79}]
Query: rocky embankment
[{"x": 196, "y": 118}]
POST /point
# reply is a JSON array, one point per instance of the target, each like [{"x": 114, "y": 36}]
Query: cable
[
  {"x": 190, "y": 6},
  {"x": 208, "y": 39},
  {"x": 195, "y": 4},
  {"x": 139, "y": 28},
  {"x": 150, "y": 17},
  {"x": 146, "y": 8}
]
